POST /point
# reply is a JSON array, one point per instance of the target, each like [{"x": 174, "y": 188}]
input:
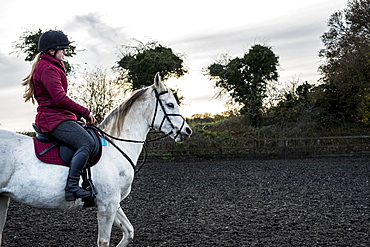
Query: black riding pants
[{"x": 71, "y": 133}]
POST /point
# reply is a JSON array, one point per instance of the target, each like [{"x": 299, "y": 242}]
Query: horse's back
[
  {"x": 11, "y": 142},
  {"x": 6, "y": 135}
]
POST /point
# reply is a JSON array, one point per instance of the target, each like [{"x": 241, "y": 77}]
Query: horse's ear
[{"x": 158, "y": 83}]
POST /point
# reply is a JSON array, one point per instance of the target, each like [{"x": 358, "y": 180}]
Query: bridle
[{"x": 166, "y": 116}]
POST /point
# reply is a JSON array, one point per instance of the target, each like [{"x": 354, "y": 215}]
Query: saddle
[{"x": 50, "y": 151}]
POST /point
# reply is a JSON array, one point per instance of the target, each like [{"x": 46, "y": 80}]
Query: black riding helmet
[{"x": 53, "y": 40}]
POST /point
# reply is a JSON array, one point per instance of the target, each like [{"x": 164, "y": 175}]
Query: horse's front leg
[
  {"x": 124, "y": 224},
  {"x": 106, "y": 215}
]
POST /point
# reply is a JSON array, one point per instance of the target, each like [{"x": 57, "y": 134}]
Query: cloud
[
  {"x": 271, "y": 33},
  {"x": 95, "y": 27},
  {"x": 297, "y": 45},
  {"x": 12, "y": 70},
  {"x": 95, "y": 35}
]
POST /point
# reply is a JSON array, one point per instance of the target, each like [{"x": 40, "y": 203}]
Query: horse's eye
[{"x": 170, "y": 105}]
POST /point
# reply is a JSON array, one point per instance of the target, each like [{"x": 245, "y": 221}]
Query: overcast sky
[{"x": 199, "y": 29}]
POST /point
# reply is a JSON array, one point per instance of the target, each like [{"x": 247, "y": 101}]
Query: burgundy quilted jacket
[{"x": 54, "y": 106}]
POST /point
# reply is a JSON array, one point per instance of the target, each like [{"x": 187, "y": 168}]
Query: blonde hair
[{"x": 27, "y": 82}]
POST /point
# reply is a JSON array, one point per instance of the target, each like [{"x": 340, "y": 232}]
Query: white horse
[{"x": 27, "y": 180}]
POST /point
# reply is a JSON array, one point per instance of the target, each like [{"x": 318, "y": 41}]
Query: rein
[
  {"x": 165, "y": 117},
  {"x": 105, "y": 135}
]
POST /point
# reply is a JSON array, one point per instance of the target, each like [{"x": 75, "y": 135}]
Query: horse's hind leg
[
  {"x": 4, "y": 203},
  {"x": 124, "y": 224}
]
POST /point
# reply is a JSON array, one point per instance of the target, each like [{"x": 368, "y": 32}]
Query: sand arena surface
[{"x": 251, "y": 202}]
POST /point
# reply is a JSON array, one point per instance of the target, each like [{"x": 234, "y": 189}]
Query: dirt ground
[{"x": 251, "y": 202}]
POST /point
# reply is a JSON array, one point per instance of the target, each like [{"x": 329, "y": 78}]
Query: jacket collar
[{"x": 53, "y": 60}]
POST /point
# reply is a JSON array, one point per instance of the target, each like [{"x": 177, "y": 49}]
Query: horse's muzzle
[{"x": 182, "y": 135}]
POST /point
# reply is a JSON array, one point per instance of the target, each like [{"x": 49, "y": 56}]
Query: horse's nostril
[{"x": 188, "y": 130}]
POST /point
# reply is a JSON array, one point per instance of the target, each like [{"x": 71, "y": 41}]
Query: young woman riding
[{"x": 56, "y": 112}]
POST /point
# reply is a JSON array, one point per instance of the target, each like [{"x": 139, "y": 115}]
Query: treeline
[{"x": 340, "y": 100}]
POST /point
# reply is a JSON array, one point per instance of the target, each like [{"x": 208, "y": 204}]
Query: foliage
[
  {"x": 221, "y": 129},
  {"x": 99, "y": 93},
  {"x": 245, "y": 79},
  {"x": 297, "y": 112},
  {"x": 138, "y": 64},
  {"x": 346, "y": 67},
  {"x": 343, "y": 97},
  {"x": 28, "y": 44}
]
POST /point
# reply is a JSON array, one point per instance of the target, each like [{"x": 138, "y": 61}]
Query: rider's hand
[
  {"x": 91, "y": 119},
  {"x": 83, "y": 120}
]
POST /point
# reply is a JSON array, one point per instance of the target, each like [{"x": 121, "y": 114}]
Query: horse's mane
[{"x": 116, "y": 118}]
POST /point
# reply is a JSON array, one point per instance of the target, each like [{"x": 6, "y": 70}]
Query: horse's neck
[{"x": 135, "y": 127}]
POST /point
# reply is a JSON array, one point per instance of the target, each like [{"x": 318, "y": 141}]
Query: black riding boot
[{"x": 72, "y": 189}]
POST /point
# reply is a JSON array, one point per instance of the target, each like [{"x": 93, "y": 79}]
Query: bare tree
[{"x": 99, "y": 92}]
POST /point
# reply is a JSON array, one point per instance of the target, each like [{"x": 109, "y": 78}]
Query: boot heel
[{"x": 69, "y": 196}]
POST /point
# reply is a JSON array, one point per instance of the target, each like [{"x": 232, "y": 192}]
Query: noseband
[{"x": 166, "y": 115}]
